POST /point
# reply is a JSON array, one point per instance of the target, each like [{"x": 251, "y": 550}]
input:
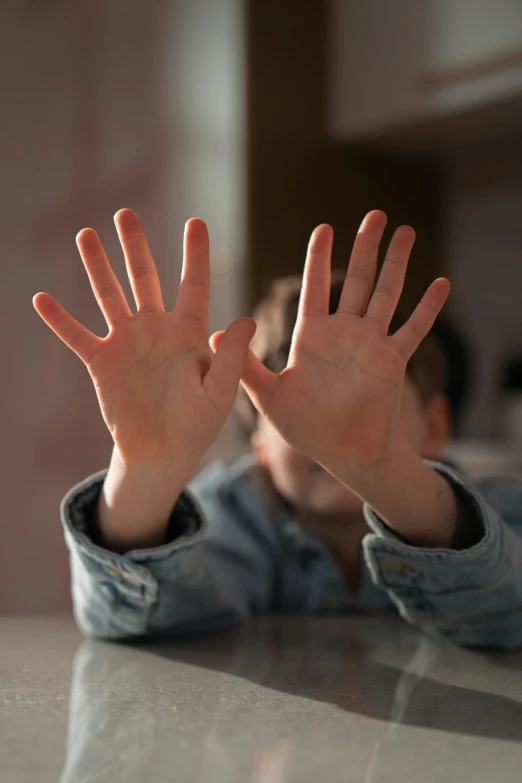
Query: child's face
[{"x": 305, "y": 484}]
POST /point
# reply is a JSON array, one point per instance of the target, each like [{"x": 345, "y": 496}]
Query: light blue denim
[{"x": 237, "y": 551}]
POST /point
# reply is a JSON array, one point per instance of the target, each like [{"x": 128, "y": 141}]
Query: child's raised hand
[
  {"x": 338, "y": 398},
  {"x": 162, "y": 395}
]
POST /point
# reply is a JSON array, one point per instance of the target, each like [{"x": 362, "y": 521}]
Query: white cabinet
[{"x": 395, "y": 63}]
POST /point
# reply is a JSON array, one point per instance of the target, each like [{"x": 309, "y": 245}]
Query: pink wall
[{"x": 91, "y": 127}]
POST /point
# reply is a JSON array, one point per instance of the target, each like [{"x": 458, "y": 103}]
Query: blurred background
[{"x": 265, "y": 118}]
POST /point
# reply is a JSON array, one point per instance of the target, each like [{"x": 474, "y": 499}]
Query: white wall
[
  {"x": 382, "y": 52},
  {"x": 483, "y": 258}
]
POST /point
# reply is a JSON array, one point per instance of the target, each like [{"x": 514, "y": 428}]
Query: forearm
[
  {"x": 136, "y": 502},
  {"x": 412, "y": 498}
]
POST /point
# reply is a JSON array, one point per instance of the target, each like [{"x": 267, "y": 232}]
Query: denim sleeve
[
  {"x": 213, "y": 575},
  {"x": 472, "y": 596}
]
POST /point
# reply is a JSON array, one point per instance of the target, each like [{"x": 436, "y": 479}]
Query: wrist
[
  {"x": 413, "y": 499},
  {"x": 364, "y": 475},
  {"x": 184, "y": 464},
  {"x": 137, "y": 500}
]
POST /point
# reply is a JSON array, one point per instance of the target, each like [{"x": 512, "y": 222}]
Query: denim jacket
[{"x": 234, "y": 550}]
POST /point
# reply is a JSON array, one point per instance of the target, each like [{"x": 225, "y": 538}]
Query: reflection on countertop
[{"x": 359, "y": 697}]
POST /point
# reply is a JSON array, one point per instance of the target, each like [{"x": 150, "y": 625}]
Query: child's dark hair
[{"x": 276, "y": 315}]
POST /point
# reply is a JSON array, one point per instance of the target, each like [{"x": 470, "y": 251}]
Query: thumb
[
  {"x": 231, "y": 349},
  {"x": 215, "y": 339},
  {"x": 259, "y": 382},
  {"x": 257, "y": 379}
]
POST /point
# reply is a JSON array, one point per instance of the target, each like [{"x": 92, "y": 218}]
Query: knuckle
[
  {"x": 106, "y": 290},
  {"x": 196, "y": 282},
  {"x": 416, "y": 330},
  {"x": 140, "y": 271},
  {"x": 358, "y": 273},
  {"x": 194, "y": 317},
  {"x": 395, "y": 259},
  {"x": 349, "y": 309},
  {"x": 96, "y": 261},
  {"x": 384, "y": 290}
]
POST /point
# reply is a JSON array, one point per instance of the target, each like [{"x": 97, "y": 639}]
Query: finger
[
  {"x": 315, "y": 292},
  {"x": 79, "y": 339},
  {"x": 215, "y": 339},
  {"x": 104, "y": 283},
  {"x": 194, "y": 289},
  {"x": 363, "y": 263},
  {"x": 387, "y": 293},
  {"x": 258, "y": 381},
  {"x": 222, "y": 379},
  {"x": 410, "y": 335},
  {"x": 141, "y": 268}
]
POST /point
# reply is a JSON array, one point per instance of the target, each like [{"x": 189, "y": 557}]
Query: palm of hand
[
  {"x": 338, "y": 398},
  {"x": 340, "y": 393},
  {"x": 145, "y": 373}
]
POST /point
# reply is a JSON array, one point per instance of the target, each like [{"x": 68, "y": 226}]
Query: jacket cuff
[
  {"x": 128, "y": 572},
  {"x": 395, "y": 564}
]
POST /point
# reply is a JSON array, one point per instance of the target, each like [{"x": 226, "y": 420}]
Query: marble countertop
[{"x": 283, "y": 700}]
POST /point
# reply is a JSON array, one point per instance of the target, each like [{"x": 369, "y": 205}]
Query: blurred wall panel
[
  {"x": 286, "y": 60},
  {"x": 408, "y": 189},
  {"x": 397, "y": 64},
  {"x": 205, "y": 91},
  {"x": 482, "y": 256},
  {"x": 105, "y": 105}
]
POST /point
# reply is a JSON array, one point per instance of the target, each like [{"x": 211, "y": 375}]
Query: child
[{"x": 342, "y": 505}]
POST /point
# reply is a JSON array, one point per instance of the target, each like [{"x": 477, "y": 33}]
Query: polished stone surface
[{"x": 284, "y": 700}]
